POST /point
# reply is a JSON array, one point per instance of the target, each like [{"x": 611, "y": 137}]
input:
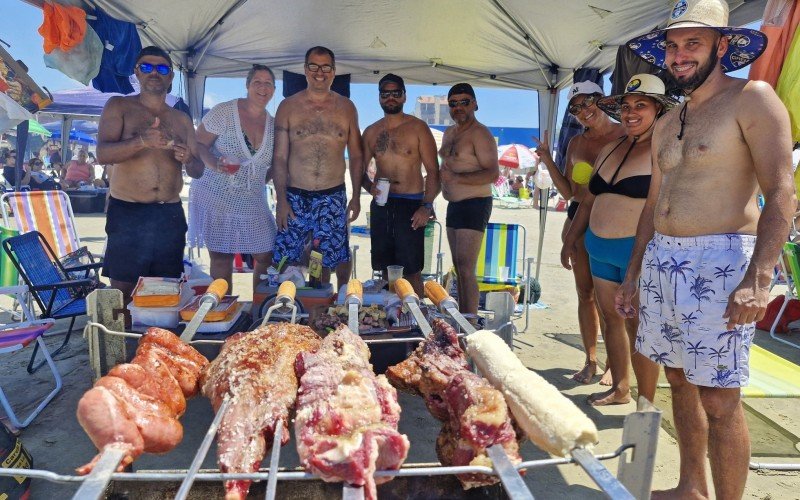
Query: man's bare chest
[{"x": 320, "y": 126}]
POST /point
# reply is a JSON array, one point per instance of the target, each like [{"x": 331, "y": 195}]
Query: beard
[
  {"x": 390, "y": 109},
  {"x": 691, "y": 83}
]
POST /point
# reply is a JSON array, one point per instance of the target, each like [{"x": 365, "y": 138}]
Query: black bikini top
[{"x": 635, "y": 186}]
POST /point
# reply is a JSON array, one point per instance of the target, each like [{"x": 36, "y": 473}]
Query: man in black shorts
[
  {"x": 150, "y": 144},
  {"x": 469, "y": 168},
  {"x": 400, "y": 144}
]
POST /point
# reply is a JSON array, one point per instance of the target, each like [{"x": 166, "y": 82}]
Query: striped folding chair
[
  {"x": 790, "y": 266},
  {"x": 16, "y": 336},
  {"x": 49, "y": 212},
  {"x": 499, "y": 264}
]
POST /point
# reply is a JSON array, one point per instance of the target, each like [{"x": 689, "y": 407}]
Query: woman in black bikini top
[{"x": 608, "y": 217}]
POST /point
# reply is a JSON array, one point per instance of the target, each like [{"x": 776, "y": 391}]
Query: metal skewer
[
  {"x": 95, "y": 484},
  {"x": 202, "y": 451},
  {"x": 283, "y": 301},
  {"x": 410, "y": 300},
  {"x": 354, "y": 299},
  {"x": 509, "y": 475},
  {"x": 608, "y": 483},
  {"x": 447, "y": 304},
  {"x": 274, "y": 459},
  {"x": 216, "y": 290}
]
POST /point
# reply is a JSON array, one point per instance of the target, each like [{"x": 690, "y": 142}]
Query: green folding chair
[{"x": 791, "y": 252}]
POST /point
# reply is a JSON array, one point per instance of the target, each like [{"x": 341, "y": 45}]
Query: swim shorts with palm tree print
[{"x": 683, "y": 293}]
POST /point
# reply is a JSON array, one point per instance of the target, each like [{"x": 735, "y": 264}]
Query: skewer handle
[
  {"x": 217, "y": 289},
  {"x": 403, "y": 288},
  {"x": 354, "y": 287},
  {"x": 287, "y": 290},
  {"x": 435, "y": 292}
]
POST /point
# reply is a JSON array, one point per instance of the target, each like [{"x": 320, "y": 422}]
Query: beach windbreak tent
[{"x": 523, "y": 44}]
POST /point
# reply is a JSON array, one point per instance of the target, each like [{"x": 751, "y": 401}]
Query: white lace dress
[{"x": 229, "y": 213}]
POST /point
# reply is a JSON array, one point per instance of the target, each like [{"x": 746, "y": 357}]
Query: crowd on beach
[{"x": 672, "y": 257}]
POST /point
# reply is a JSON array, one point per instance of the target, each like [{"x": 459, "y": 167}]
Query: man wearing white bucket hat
[{"x": 702, "y": 236}]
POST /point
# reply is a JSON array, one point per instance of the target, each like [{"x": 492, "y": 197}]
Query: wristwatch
[{"x": 427, "y": 204}]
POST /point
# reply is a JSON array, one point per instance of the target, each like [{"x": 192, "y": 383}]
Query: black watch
[{"x": 427, "y": 204}]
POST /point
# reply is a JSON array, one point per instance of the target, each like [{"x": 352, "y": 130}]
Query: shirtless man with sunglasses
[{"x": 150, "y": 145}]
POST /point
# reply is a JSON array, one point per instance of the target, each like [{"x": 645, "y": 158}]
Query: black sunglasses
[
  {"x": 162, "y": 69},
  {"x": 325, "y": 68},
  {"x": 385, "y": 94},
  {"x": 461, "y": 102},
  {"x": 575, "y": 109}
]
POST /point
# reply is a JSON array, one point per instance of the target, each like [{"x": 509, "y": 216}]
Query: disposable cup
[{"x": 394, "y": 273}]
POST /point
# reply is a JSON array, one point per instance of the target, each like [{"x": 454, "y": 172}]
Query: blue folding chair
[{"x": 50, "y": 283}]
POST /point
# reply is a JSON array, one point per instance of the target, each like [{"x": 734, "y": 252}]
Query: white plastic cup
[
  {"x": 382, "y": 185},
  {"x": 393, "y": 274},
  {"x": 504, "y": 273}
]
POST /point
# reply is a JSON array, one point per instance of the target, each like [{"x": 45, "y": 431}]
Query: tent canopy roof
[{"x": 497, "y": 43}]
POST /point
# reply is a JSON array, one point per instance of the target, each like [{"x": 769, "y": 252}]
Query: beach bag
[
  {"x": 14, "y": 456},
  {"x": 792, "y": 313}
]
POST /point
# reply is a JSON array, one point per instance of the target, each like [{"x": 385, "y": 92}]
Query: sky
[{"x": 498, "y": 107}]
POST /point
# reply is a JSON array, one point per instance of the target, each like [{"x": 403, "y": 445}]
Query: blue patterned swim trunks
[
  {"x": 323, "y": 214},
  {"x": 683, "y": 292}
]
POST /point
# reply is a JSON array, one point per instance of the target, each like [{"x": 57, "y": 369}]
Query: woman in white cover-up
[{"x": 228, "y": 211}]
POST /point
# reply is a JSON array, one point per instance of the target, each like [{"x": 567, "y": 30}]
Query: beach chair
[
  {"x": 49, "y": 212},
  {"x": 51, "y": 285},
  {"x": 501, "y": 195},
  {"x": 790, "y": 267},
  {"x": 499, "y": 264},
  {"x": 16, "y": 336}
]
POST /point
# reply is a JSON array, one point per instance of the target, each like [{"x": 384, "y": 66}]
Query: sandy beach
[{"x": 551, "y": 346}]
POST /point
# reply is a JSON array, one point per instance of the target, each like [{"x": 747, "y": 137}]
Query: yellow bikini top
[{"x": 581, "y": 172}]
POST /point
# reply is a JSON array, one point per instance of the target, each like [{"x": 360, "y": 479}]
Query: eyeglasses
[
  {"x": 461, "y": 102},
  {"x": 385, "y": 94},
  {"x": 575, "y": 109},
  {"x": 147, "y": 68},
  {"x": 325, "y": 68}
]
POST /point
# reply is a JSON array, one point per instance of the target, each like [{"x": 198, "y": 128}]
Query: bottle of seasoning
[{"x": 315, "y": 266}]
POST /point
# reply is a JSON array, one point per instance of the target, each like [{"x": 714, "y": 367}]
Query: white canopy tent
[{"x": 527, "y": 44}]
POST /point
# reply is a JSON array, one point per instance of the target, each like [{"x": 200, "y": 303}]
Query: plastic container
[
  {"x": 220, "y": 326},
  {"x": 309, "y": 297},
  {"x": 162, "y": 317},
  {"x": 157, "y": 300}
]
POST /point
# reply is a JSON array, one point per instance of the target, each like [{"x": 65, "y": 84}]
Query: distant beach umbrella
[{"x": 517, "y": 156}]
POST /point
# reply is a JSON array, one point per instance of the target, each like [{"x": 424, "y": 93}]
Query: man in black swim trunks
[
  {"x": 469, "y": 168},
  {"x": 400, "y": 144},
  {"x": 150, "y": 144}
]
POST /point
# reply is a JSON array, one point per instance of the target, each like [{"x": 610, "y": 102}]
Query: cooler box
[{"x": 308, "y": 297}]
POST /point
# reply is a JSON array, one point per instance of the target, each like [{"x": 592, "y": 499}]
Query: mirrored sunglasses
[
  {"x": 162, "y": 69},
  {"x": 460, "y": 102},
  {"x": 385, "y": 94},
  {"x": 575, "y": 109}
]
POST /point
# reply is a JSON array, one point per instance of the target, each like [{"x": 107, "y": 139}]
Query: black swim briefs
[
  {"x": 572, "y": 209},
  {"x": 393, "y": 240},
  {"x": 144, "y": 239},
  {"x": 472, "y": 213}
]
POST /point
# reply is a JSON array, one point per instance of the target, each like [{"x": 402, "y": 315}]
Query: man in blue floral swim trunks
[
  {"x": 312, "y": 130},
  {"x": 707, "y": 252}
]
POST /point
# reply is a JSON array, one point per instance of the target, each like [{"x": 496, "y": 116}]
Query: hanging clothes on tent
[
  {"x": 121, "y": 45},
  {"x": 569, "y": 125},
  {"x": 788, "y": 88},
  {"x": 82, "y": 62},
  {"x": 781, "y": 19},
  {"x": 64, "y": 27}
]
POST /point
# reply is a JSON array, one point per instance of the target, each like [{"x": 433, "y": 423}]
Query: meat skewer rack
[{"x": 636, "y": 453}]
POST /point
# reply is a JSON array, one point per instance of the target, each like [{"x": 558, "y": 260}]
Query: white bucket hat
[
  {"x": 641, "y": 84},
  {"x": 744, "y": 45}
]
